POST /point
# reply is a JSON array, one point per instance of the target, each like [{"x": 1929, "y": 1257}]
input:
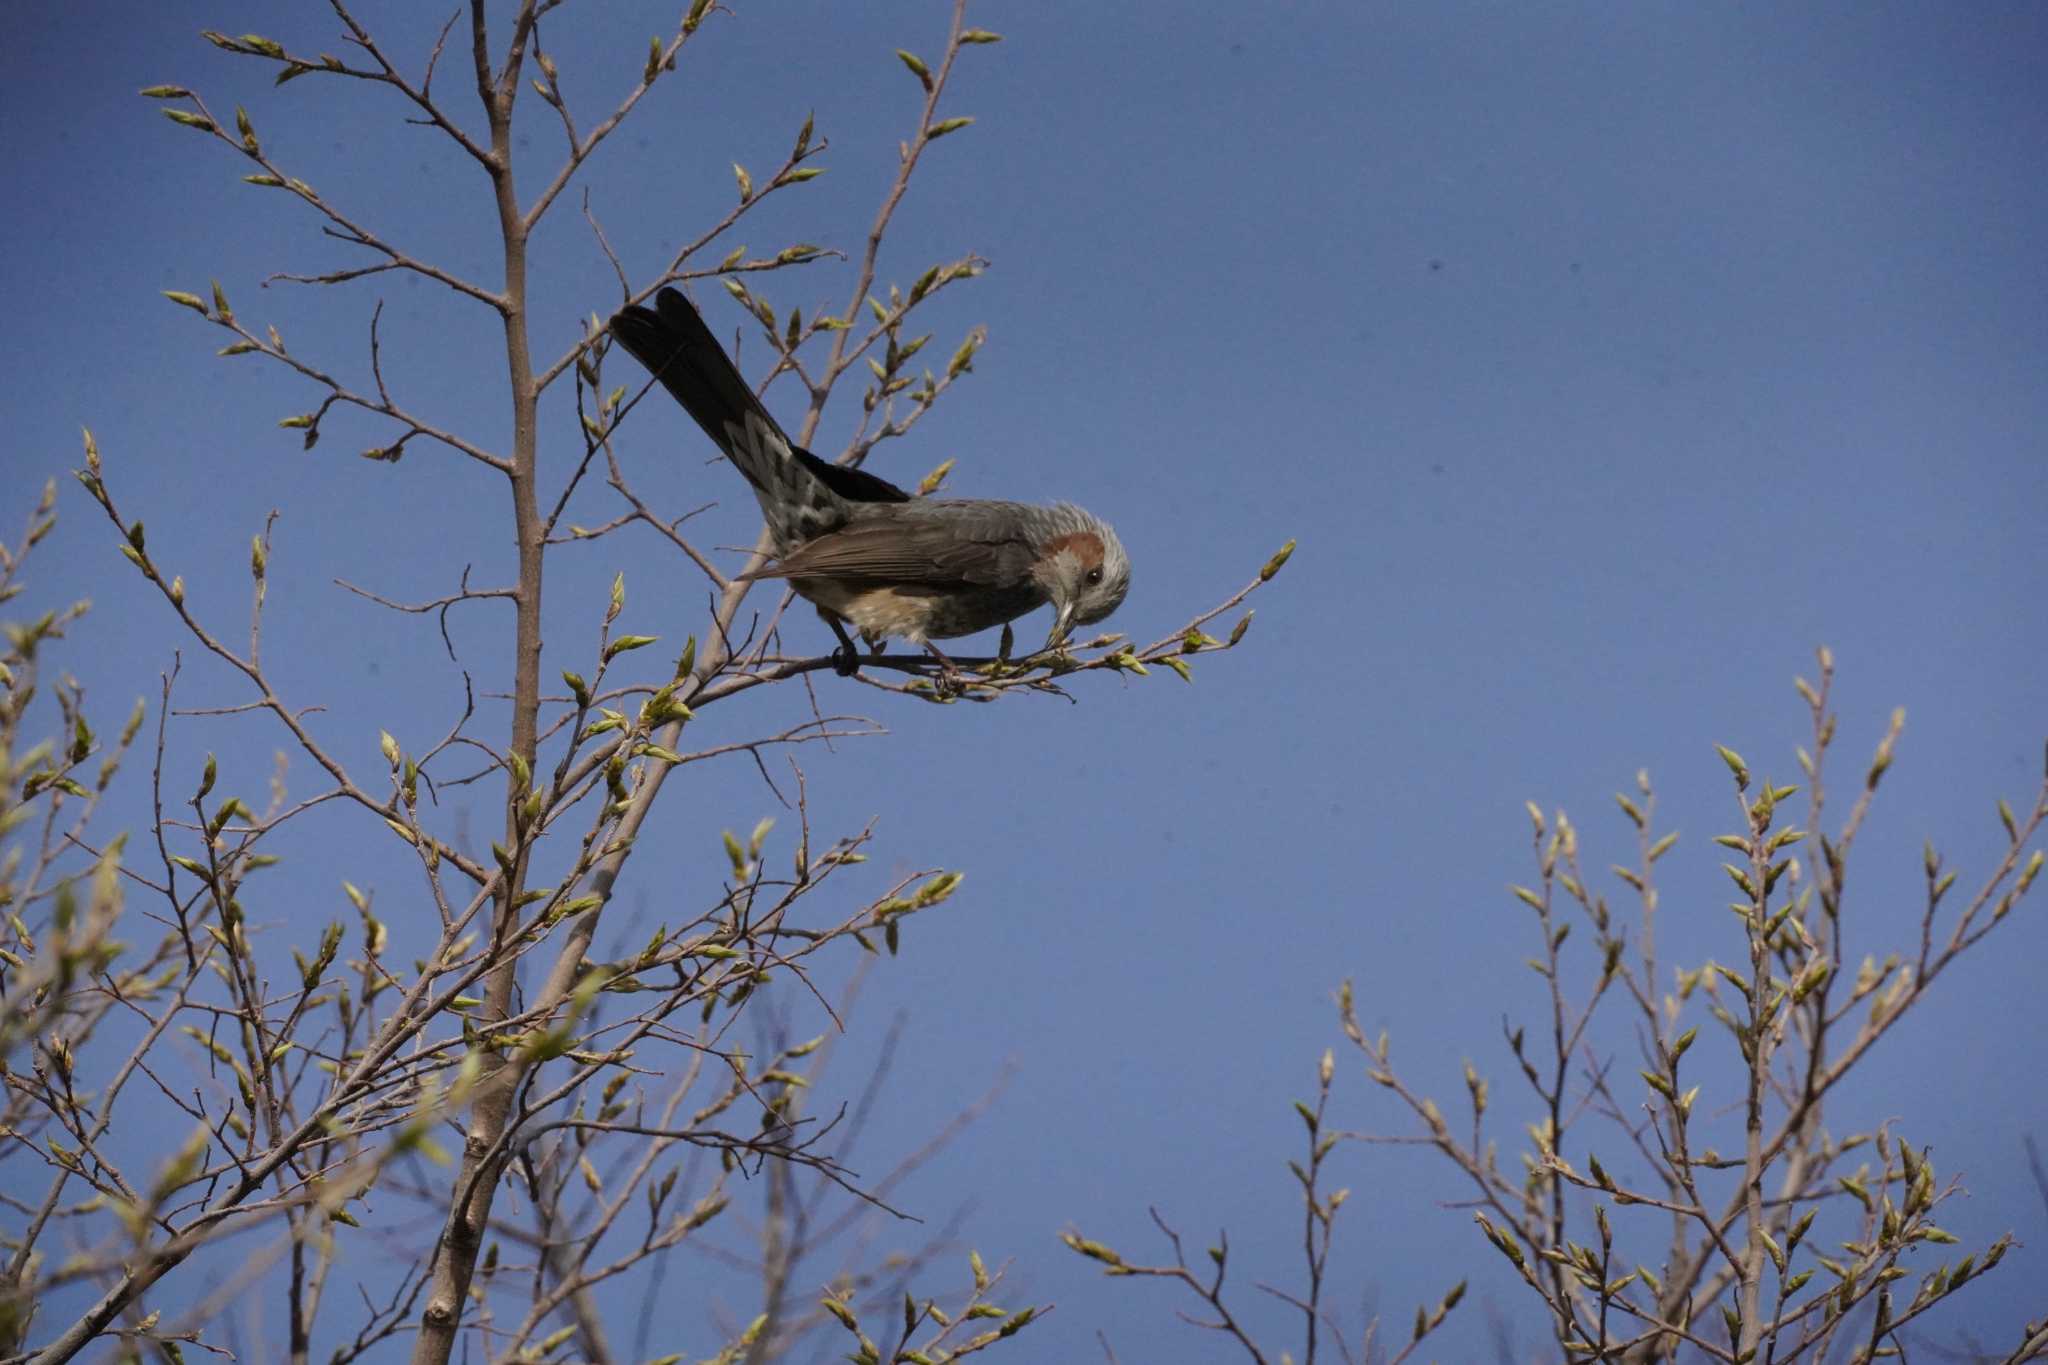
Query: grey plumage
[{"x": 862, "y": 549}]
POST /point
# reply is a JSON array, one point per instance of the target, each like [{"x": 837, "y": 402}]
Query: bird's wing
[
  {"x": 938, "y": 552},
  {"x": 677, "y": 348}
]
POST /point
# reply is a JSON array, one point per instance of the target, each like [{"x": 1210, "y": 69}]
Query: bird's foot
[
  {"x": 845, "y": 659},
  {"x": 949, "y": 681}
]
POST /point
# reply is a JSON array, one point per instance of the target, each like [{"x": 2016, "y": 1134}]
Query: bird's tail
[{"x": 801, "y": 496}]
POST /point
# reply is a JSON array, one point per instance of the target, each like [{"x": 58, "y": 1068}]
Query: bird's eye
[{"x": 1094, "y": 577}]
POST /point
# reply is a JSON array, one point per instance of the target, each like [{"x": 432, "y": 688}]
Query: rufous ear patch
[{"x": 1085, "y": 545}]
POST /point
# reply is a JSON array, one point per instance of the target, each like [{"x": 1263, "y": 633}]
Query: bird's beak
[{"x": 1062, "y": 623}]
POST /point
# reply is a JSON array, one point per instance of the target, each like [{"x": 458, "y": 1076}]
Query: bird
[{"x": 863, "y": 551}]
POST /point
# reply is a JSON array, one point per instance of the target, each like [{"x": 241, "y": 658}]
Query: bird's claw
[{"x": 845, "y": 662}]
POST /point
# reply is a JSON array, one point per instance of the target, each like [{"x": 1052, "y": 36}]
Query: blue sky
[{"x": 1603, "y": 360}]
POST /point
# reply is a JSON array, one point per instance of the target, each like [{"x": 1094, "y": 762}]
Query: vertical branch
[
  {"x": 913, "y": 148},
  {"x": 1754, "y": 1039},
  {"x": 1561, "y": 841},
  {"x": 485, "y": 1146},
  {"x": 476, "y": 1178},
  {"x": 1751, "y": 1271}
]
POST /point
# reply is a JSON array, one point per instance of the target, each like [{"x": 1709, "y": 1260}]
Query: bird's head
[{"x": 1082, "y": 567}]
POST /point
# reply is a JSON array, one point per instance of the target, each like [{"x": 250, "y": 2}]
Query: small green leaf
[
  {"x": 917, "y": 67},
  {"x": 626, "y": 642}
]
